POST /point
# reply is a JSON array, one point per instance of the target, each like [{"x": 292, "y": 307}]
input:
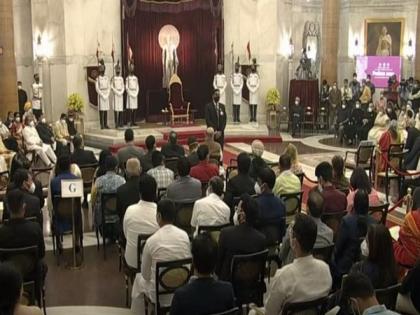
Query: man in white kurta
[
  {"x": 219, "y": 83},
  {"x": 117, "y": 87},
  {"x": 34, "y": 142},
  {"x": 253, "y": 84},
  {"x": 237, "y": 83},
  {"x": 167, "y": 244},
  {"x": 132, "y": 87},
  {"x": 103, "y": 89},
  {"x": 37, "y": 93}
]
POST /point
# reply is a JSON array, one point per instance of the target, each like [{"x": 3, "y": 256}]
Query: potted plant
[
  {"x": 272, "y": 99},
  {"x": 75, "y": 104}
]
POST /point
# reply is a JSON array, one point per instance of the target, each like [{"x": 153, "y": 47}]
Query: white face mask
[
  {"x": 370, "y": 109},
  {"x": 63, "y": 121},
  {"x": 357, "y": 105},
  {"x": 17, "y": 119},
  {"x": 297, "y": 102},
  {"x": 208, "y": 191},
  {"x": 71, "y": 119},
  {"x": 320, "y": 189},
  {"x": 32, "y": 123},
  {"x": 43, "y": 120},
  {"x": 389, "y": 110},
  {"x": 32, "y": 188},
  {"x": 364, "y": 248},
  {"x": 343, "y": 106},
  {"x": 257, "y": 189}
]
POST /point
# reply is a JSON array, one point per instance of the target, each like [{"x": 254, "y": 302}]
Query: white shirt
[
  {"x": 31, "y": 137},
  {"x": 139, "y": 218},
  {"x": 303, "y": 280},
  {"x": 210, "y": 210}
]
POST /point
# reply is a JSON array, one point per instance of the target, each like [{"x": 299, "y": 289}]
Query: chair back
[
  {"x": 171, "y": 163},
  {"x": 293, "y": 203},
  {"x": 4, "y": 180},
  {"x": 24, "y": 259},
  {"x": 324, "y": 253},
  {"x": 171, "y": 275},
  {"x": 109, "y": 208},
  {"x": 247, "y": 277},
  {"x": 32, "y": 219},
  {"x": 231, "y": 171},
  {"x": 183, "y": 216},
  {"x": 141, "y": 241},
  {"x": 204, "y": 186},
  {"x": 214, "y": 231},
  {"x": 364, "y": 154},
  {"x": 29, "y": 293},
  {"x": 63, "y": 208},
  {"x": 388, "y": 296},
  {"x": 395, "y": 156},
  {"x": 161, "y": 193},
  {"x": 300, "y": 176},
  {"x": 43, "y": 176},
  {"x": 233, "y": 311},
  {"x": 345, "y": 191},
  {"x": 176, "y": 97},
  {"x": 333, "y": 220},
  {"x": 310, "y": 307},
  {"x": 88, "y": 173},
  {"x": 379, "y": 212}
]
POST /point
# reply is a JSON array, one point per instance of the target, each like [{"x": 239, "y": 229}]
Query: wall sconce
[
  {"x": 291, "y": 48},
  {"x": 410, "y": 50},
  {"x": 356, "y": 49},
  {"x": 1, "y": 50},
  {"x": 39, "y": 48}
]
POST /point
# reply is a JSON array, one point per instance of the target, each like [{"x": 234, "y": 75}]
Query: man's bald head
[
  {"x": 257, "y": 148},
  {"x": 315, "y": 203},
  {"x": 210, "y": 133},
  {"x": 133, "y": 167}
]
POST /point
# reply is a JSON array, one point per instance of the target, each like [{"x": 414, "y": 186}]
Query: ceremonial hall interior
[{"x": 209, "y": 157}]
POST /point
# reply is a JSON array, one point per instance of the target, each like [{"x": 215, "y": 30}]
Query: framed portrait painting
[{"x": 384, "y": 37}]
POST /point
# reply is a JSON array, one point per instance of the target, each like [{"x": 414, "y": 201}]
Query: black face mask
[{"x": 216, "y": 99}]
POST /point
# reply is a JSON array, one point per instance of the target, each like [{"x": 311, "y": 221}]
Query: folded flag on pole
[{"x": 248, "y": 49}]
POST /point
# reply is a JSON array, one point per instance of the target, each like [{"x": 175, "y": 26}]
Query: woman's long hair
[
  {"x": 361, "y": 209},
  {"x": 360, "y": 180},
  {"x": 101, "y": 164},
  {"x": 10, "y": 288}
]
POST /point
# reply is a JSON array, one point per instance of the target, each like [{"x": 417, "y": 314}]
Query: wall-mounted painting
[{"x": 384, "y": 37}]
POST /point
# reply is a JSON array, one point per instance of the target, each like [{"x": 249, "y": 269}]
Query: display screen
[{"x": 379, "y": 67}]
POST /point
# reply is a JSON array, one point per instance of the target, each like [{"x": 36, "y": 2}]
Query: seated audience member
[
  {"x": 291, "y": 150},
  {"x": 17, "y": 128},
  {"x": 204, "y": 170},
  {"x": 407, "y": 248},
  {"x": 411, "y": 158},
  {"x": 184, "y": 188},
  {"x": 101, "y": 170},
  {"x": 34, "y": 142},
  {"x": 129, "y": 193},
  {"x": 307, "y": 278},
  {"x": 272, "y": 211},
  {"x": 172, "y": 148},
  {"x": 324, "y": 235},
  {"x": 286, "y": 182},
  {"x": 166, "y": 244},
  {"x": 61, "y": 130},
  {"x": 204, "y": 294},
  {"x": 389, "y": 137},
  {"x": 146, "y": 159},
  {"x": 339, "y": 180},
  {"x": 239, "y": 239},
  {"x": 367, "y": 122},
  {"x": 6, "y": 155},
  {"x": 130, "y": 150},
  {"x": 192, "y": 154},
  {"x": 358, "y": 291},
  {"x": 71, "y": 126},
  {"x": 11, "y": 291},
  {"x": 9, "y": 120},
  {"x": 360, "y": 180},
  {"x": 257, "y": 162},
  {"x": 140, "y": 218},
  {"x": 81, "y": 156},
  {"x": 9, "y": 142},
  {"x": 27, "y": 111},
  {"x": 211, "y": 210},
  {"x": 108, "y": 184},
  {"x": 408, "y": 300},
  {"x": 412, "y": 134},
  {"x": 379, "y": 265},
  {"x": 22, "y": 181},
  {"x": 163, "y": 176},
  {"x": 353, "y": 229},
  {"x": 45, "y": 132},
  {"x": 214, "y": 147},
  {"x": 241, "y": 183},
  {"x": 380, "y": 125},
  {"x": 334, "y": 200}
]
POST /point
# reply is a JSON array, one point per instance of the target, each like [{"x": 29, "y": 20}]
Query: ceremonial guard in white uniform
[
  {"x": 103, "y": 89},
  {"x": 118, "y": 88},
  {"x": 253, "y": 84},
  {"x": 37, "y": 90},
  {"x": 237, "y": 83},
  {"x": 219, "y": 83},
  {"x": 132, "y": 87}
]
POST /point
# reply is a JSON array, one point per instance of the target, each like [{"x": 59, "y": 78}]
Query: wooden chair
[
  {"x": 293, "y": 203},
  {"x": 333, "y": 221},
  {"x": 170, "y": 276},
  {"x": 161, "y": 193},
  {"x": 88, "y": 173},
  {"x": 204, "y": 186},
  {"x": 308, "y": 118},
  {"x": 43, "y": 176},
  {"x": 247, "y": 277},
  {"x": 214, "y": 231},
  {"x": 324, "y": 253},
  {"x": 363, "y": 157},
  {"x": 172, "y": 164},
  {"x": 178, "y": 108},
  {"x": 109, "y": 217},
  {"x": 183, "y": 216},
  {"x": 388, "y": 296},
  {"x": 284, "y": 118},
  {"x": 379, "y": 209},
  {"x": 4, "y": 182},
  {"x": 316, "y": 306}
]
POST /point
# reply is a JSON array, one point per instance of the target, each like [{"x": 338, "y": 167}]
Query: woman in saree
[
  {"x": 381, "y": 121},
  {"x": 391, "y": 136}
]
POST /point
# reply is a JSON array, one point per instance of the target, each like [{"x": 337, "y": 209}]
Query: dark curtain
[
  {"x": 307, "y": 90},
  {"x": 199, "y": 28}
]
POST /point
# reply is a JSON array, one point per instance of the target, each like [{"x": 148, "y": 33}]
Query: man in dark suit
[
  {"x": 81, "y": 156},
  {"x": 172, "y": 148},
  {"x": 204, "y": 294},
  {"x": 129, "y": 193},
  {"x": 146, "y": 159},
  {"x": 240, "y": 239},
  {"x": 130, "y": 150},
  {"x": 216, "y": 117},
  {"x": 22, "y": 97}
]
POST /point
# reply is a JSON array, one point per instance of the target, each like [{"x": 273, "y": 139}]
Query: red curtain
[
  {"x": 307, "y": 90},
  {"x": 198, "y": 51}
]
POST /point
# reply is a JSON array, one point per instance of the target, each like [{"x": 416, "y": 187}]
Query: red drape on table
[
  {"x": 307, "y": 90},
  {"x": 200, "y": 30}
]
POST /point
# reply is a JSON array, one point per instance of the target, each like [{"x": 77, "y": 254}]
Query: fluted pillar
[
  {"x": 8, "y": 89},
  {"x": 329, "y": 39},
  {"x": 417, "y": 52}
]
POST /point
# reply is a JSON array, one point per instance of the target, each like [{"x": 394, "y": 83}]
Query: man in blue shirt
[{"x": 272, "y": 218}]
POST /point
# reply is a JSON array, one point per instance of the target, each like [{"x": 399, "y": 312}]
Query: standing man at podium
[
  {"x": 219, "y": 83},
  {"x": 253, "y": 84},
  {"x": 237, "y": 83},
  {"x": 103, "y": 89},
  {"x": 216, "y": 117},
  {"x": 132, "y": 87}
]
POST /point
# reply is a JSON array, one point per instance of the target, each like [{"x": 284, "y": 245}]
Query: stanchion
[{"x": 74, "y": 265}]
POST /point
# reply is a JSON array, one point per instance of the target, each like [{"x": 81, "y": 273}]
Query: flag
[
  {"x": 248, "y": 49},
  {"x": 113, "y": 49},
  {"x": 98, "y": 50},
  {"x": 129, "y": 52}
]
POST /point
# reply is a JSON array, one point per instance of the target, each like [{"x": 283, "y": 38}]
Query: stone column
[
  {"x": 417, "y": 52},
  {"x": 329, "y": 39},
  {"x": 8, "y": 89}
]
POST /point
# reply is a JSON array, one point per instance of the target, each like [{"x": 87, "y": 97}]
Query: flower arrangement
[
  {"x": 75, "y": 103},
  {"x": 272, "y": 99}
]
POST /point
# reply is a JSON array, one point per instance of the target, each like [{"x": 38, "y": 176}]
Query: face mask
[
  {"x": 389, "y": 110},
  {"x": 320, "y": 189},
  {"x": 364, "y": 248},
  {"x": 357, "y": 105},
  {"x": 335, "y": 86},
  {"x": 63, "y": 121},
  {"x": 257, "y": 189},
  {"x": 296, "y": 102},
  {"x": 370, "y": 109},
  {"x": 208, "y": 191},
  {"x": 17, "y": 119},
  {"x": 367, "y": 80},
  {"x": 216, "y": 99},
  {"x": 71, "y": 119},
  {"x": 32, "y": 188},
  {"x": 32, "y": 123},
  {"x": 343, "y": 106},
  {"x": 43, "y": 120},
  {"x": 355, "y": 79}
]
